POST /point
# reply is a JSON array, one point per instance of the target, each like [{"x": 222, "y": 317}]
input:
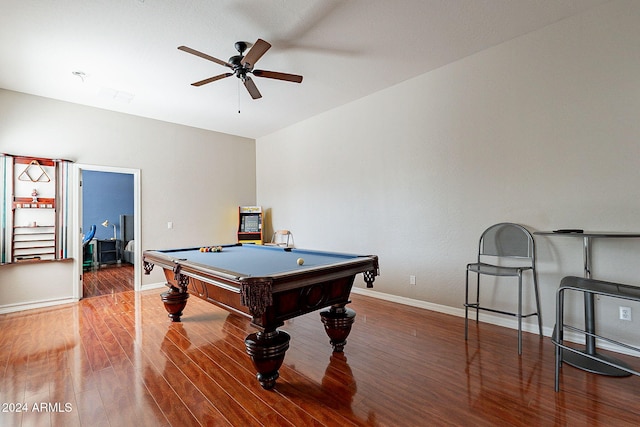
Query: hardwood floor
[
  {"x": 108, "y": 279},
  {"x": 117, "y": 360}
]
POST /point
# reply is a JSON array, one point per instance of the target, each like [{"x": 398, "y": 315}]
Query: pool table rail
[{"x": 254, "y": 296}]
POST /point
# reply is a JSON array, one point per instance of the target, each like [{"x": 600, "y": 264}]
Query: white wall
[
  {"x": 192, "y": 177},
  {"x": 542, "y": 130}
]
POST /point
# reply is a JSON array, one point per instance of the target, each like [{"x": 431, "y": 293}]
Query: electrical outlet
[
  {"x": 625, "y": 313},
  {"x": 412, "y": 280}
]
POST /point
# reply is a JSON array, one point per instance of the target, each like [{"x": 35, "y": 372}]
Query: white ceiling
[{"x": 345, "y": 49}]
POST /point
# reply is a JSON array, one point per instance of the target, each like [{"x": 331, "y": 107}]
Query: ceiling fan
[{"x": 242, "y": 65}]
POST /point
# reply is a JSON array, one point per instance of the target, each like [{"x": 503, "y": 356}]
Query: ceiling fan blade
[
  {"x": 278, "y": 76},
  {"x": 255, "y": 53},
  {"x": 251, "y": 87},
  {"x": 205, "y": 56},
  {"x": 212, "y": 79}
]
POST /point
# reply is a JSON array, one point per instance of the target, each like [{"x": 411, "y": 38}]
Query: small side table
[{"x": 108, "y": 251}]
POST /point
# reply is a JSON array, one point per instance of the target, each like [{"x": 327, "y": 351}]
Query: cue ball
[{"x": 300, "y": 261}]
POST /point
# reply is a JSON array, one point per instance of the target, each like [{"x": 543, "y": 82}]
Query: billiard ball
[{"x": 300, "y": 261}]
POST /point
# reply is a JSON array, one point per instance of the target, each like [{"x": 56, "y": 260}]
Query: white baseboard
[
  {"x": 153, "y": 286},
  {"x": 506, "y": 322},
  {"x": 12, "y": 308},
  {"x": 454, "y": 311}
]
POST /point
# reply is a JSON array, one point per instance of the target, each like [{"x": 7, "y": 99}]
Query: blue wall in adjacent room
[{"x": 105, "y": 195}]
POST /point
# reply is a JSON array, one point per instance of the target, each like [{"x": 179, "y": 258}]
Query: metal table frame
[{"x": 574, "y": 358}]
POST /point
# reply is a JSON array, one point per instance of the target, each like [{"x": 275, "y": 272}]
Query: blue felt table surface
[{"x": 257, "y": 260}]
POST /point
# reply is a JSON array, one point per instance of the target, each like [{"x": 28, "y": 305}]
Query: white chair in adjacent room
[{"x": 282, "y": 238}]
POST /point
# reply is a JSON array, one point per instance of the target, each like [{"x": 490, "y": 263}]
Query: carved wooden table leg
[
  {"x": 337, "y": 323},
  {"x": 267, "y": 350},
  {"x": 174, "y": 302}
]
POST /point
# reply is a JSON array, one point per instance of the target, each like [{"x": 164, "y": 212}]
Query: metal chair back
[{"x": 507, "y": 240}]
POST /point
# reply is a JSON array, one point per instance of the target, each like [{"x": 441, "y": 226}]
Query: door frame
[{"x": 77, "y": 220}]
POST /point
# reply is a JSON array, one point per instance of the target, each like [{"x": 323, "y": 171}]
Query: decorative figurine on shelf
[{"x": 34, "y": 196}]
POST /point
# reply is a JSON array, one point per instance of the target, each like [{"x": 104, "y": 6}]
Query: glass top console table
[{"x": 576, "y": 359}]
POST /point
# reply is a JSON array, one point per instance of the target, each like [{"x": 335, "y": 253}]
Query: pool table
[{"x": 269, "y": 284}]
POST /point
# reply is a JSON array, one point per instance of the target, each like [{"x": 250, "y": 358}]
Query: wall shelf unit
[
  {"x": 34, "y": 243},
  {"x": 34, "y": 227}
]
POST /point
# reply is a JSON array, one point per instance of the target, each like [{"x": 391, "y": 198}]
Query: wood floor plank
[
  {"x": 108, "y": 279},
  {"x": 90, "y": 409},
  {"x": 218, "y": 388},
  {"x": 117, "y": 359},
  {"x": 223, "y": 365},
  {"x": 169, "y": 402}
]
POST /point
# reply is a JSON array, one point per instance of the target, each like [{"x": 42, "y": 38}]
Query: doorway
[{"x": 107, "y": 206}]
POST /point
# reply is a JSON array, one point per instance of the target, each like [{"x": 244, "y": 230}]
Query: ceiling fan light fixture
[
  {"x": 240, "y": 47},
  {"x": 241, "y": 65}
]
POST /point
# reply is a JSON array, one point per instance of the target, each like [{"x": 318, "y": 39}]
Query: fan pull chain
[{"x": 238, "y": 96}]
